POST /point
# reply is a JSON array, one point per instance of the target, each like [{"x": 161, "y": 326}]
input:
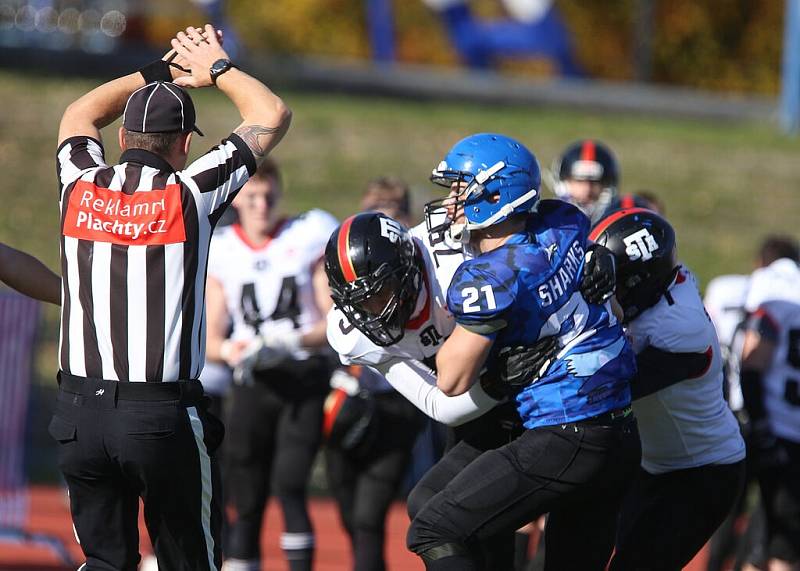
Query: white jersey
[
  {"x": 269, "y": 286},
  {"x": 688, "y": 424},
  {"x": 431, "y": 322},
  {"x": 430, "y": 325},
  {"x": 777, "y": 281},
  {"x": 775, "y": 293},
  {"x": 216, "y": 378},
  {"x": 724, "y": 301}
]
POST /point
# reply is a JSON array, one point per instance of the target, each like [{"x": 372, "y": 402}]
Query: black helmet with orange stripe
[
  {"x": 643, "y": 244},
  {"x": 587, "y": 160},
  {"x": 374, "y": 275}
]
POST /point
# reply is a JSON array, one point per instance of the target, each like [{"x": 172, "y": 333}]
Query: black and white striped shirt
[{"x": 134, "y": 248}]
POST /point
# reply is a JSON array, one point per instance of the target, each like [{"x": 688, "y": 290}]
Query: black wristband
[{"x": 157, "y": 70}]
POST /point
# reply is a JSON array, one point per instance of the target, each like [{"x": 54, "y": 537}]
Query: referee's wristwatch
[{"x": 219, "y": 67}]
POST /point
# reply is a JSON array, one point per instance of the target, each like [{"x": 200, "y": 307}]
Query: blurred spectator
[
  {"x": 533, "y": 29},
  {"x": 388, "y": 195},
  {"x": 725, "y": 302},
  {"x": 215, "y": 12},
  {"x": 587, "y": 175},
  {"x": 770, "y": 380},
  {"x": 646, "y": 199},
  {"x": 266, "y": 277}
]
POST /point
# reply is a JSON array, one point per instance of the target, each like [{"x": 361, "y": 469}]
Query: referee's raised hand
[{"x": 200, "y": 49}]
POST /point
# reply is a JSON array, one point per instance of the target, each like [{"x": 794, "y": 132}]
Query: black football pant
[
  {"x": 667, "y": 518},
  {"x": 780, "y": 496},
  {"x": 365, "y": 484},
  {"x": 274, "y": 430},
  {"x": 119, "y": 442},
  {"x": 578, "y": 472},
  {"x": 466, "y": 443}
]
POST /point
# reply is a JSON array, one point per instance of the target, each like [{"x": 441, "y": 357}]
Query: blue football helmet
[{"x": 501, "y": 177}]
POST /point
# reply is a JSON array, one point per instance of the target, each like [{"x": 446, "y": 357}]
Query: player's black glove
[
  {"x": 516, "y": 367},
  {"x": 599, "y": 274}
]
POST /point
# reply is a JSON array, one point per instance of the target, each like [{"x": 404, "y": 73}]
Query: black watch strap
[{"x": 219, "y": 67}]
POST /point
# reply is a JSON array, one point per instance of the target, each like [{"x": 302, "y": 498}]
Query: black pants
[
  {"x": 728, "y": 542},
  {"x": 576, "y": 472},
  {"x": 466, "y": 443},
  {"x": 364, "y": 485},
  {"x": 667, "y": 518},
  {"x": 274, "y": 429},
  {"x": 780, "y": 495},
  {"x": 152, "y": 440}
]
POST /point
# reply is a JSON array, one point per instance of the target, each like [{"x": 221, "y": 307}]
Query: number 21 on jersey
[{"x": 472, "y": 298}]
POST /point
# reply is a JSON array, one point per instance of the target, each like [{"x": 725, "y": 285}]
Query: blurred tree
[{"x": 721, "y": 44}]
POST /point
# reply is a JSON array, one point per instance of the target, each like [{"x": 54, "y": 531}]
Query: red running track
[{"x": 49, "y": 513}]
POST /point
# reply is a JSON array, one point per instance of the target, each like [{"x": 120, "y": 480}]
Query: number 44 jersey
[{"x": 269, "y": 285}]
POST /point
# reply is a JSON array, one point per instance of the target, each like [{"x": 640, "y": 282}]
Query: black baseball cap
[{"x": 160, "y": 107}]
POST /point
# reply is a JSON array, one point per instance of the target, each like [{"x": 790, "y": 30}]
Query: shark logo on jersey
[
  {"x": 640, "y": 245},
  {"x": 587, "y": 364},
  {"x": 390, "y": 229},
  {"x": 551, "y": 251}
]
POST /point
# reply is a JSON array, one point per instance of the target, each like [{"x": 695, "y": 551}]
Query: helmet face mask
[
  {"x": 386, "y": 279},
  {"x": 491, "y": 177},
  {"x": 591, "y": 161}
]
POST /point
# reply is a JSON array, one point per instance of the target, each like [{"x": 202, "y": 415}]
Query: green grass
[{"x": 725, "y": 185}]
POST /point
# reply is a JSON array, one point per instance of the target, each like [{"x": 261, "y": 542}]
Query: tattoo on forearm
[{"x": 252, "y": 135}]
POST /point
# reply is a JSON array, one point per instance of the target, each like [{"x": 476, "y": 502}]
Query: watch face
[{"x": 219, "y": 66}]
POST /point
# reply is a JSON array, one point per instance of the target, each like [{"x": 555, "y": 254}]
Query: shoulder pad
[
  {"x": 553, "y": 217},
  {"x": 676, "y": 328},
  {"x": 481, "y": 291}
]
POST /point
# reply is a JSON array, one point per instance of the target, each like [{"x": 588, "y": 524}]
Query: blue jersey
[{"x": 529, "y": 289}]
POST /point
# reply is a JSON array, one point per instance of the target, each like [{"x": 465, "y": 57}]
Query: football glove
[
  {"x": 287, "y": 341},
  {"x": 517, "y": 367},
  {"x": 257, "y": 357},
  {"x": 599, "y": 274}
]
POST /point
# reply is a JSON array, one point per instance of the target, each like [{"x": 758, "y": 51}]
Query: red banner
[{"x": 139, "y": 219}]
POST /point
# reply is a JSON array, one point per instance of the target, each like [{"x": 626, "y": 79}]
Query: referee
[{"x": 131, "y": 418}]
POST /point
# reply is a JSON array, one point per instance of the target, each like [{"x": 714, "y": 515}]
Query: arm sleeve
[
  {"x": 417, "y": 383},
  {"x": 761, "y": 322},
  {"x": 479, "y": 297},
  {"x": 658, "y": 369},
  {"x": 216, "y": 176},
  {"x": 75, "y": 156}
]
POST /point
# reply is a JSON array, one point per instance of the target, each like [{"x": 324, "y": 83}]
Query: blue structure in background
[
  {"x": 380, "y": 27},
  {"x": 215, "y": 12},
  {"x": 481, "y": 43},
  {"x": 790, "y": 84}
]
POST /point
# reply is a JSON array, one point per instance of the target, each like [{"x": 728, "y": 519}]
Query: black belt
[
  {"x": 610, "y": 417},
  {"x": 187, "y": 392}
]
